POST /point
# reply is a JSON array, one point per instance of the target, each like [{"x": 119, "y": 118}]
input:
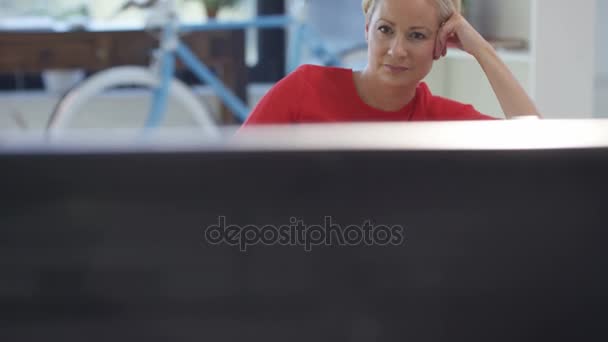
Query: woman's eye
[
  {"x": 417, "y": 35},
  {"x": 384, "y": 29}
]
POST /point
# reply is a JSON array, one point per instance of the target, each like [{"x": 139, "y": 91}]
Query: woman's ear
[{"x": 367, "y": 30}]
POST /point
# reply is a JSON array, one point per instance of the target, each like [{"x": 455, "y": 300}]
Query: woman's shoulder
[
  {"x": 313, "y": 69},
  {"x": 316, "y": 74},
  {"x": 432, "y": 100}
]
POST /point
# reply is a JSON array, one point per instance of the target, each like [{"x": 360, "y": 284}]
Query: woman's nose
[{"x": 398, "y": 48}]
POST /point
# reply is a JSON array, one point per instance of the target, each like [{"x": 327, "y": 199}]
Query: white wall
[
  {"x": 564, "y": 57},
  {"x": 601, "y": 61},
  {"x": 602, "y": 37}
]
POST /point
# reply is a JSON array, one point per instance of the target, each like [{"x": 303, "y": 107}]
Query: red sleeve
[
  {"x": 438, "y": 108},
  {"x": 468, "y": 112},
  {"x": 281, "y": 104},
  {"x": 444, "y": 109}
]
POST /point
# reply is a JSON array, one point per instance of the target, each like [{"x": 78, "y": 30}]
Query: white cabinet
[{"x": 557, "y": 69}]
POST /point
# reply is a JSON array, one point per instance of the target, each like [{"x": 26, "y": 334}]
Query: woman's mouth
[{"x": 395, "y": 68}]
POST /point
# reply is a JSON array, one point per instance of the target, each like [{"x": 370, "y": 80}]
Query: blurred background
[{"x": 558, "y": 50}]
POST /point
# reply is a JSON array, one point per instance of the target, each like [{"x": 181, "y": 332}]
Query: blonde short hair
[{"x": 446, "y": 8}]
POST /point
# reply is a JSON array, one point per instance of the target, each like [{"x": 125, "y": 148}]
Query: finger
[
  {"x": 452, "y": 40},
  {"x": 438, "y": 46},
  {"x": 444, "y": 39},
  {"x": 449, "y": 29},
  {"x": 437, "y": 50}
]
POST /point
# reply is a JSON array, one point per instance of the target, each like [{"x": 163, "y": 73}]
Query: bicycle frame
[{"x": 172, "y": 46}]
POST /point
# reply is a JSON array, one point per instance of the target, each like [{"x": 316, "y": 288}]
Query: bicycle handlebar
[
  {"x": 143, "y": 5},
  {"x": 164, "y": 13},
  {"x": 133, "y": 4}
]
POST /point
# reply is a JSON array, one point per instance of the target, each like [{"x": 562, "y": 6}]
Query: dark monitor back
[{"x": 498, "y": 246}]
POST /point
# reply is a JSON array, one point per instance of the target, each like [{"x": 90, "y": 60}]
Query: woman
[{"x": 404, "y": 38}]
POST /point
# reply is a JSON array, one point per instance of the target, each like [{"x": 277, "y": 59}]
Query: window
[{"x": 102, "y": 13}]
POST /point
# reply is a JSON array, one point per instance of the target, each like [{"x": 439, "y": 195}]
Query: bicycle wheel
[{"x": 78, "y": 98}]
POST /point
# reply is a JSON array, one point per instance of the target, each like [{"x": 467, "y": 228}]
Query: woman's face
[{"x": 401, "y": 40}]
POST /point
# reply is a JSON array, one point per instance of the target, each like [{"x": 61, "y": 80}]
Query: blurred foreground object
[{"x": 502, "y": 240}]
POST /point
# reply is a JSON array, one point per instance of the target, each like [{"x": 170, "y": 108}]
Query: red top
[{"x": 314, "y": 94}]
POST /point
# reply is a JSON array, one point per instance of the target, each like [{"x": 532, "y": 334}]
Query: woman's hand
[
  {"x": 511, "y": 95},
  {"x": 457, "y": 31}
]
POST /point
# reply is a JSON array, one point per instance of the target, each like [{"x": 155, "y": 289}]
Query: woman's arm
[{"x": 511, "y": 95}]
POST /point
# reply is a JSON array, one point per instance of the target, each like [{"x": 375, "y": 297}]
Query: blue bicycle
[{"x": 159, "y": 76}]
